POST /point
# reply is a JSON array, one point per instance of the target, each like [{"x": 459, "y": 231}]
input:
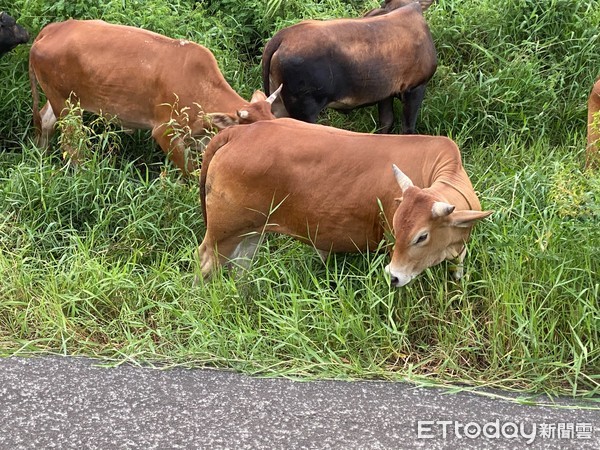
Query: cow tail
[
  {"x": 270, "y": 49},
  {"x": 37, "y": 120},
  {"x": 209, "y": 152}
]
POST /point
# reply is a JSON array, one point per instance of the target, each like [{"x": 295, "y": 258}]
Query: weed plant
[{"x": 99, "y": 259}]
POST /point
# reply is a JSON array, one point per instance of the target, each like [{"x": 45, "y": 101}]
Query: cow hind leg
[
  {"x": 71, "y": 124},
  {"x": 411, "y": 101},
  {"x": 208, "y": 259},
  {"x": 44, "y": 133},
  {"x": 238, "y": 250}
]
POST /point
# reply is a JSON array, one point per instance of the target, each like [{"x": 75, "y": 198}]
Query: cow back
[{"x": 127, "y": 71}]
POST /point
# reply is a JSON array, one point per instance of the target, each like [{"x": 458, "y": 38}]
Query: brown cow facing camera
[
  {"x": 348, "y": 63},
  {"x": 142, "y": 78},
  {"x": 338, "y": 191}
]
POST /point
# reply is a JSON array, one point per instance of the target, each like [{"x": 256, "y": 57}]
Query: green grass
[{"x": 99, "y": 260}]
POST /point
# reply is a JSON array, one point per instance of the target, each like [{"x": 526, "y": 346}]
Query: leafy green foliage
[
  {"x": 515, "y": 67},
  {"x": 99, "y": 259}
]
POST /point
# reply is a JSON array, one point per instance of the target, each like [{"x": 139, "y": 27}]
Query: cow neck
[
  {"x": 439, "y": 190},
  {"x": 448, "y": 183}
]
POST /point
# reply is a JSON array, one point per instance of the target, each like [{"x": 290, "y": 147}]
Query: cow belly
[
  {"x": 330, "y": 234},
  {"x": 128, "y": 115},
  {"x": 345, "y": 231},
  {"x": 344, "y": 103}
]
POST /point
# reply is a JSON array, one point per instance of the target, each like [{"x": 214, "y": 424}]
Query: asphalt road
[{"x": 64, "y": 402}]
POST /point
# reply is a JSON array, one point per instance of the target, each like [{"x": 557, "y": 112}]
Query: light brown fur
[
  {"x": 137, "y": 76},
  {"x": 322, "y": 186}
]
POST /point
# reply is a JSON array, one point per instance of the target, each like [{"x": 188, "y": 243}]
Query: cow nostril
[{"x": 394, "y": 281}]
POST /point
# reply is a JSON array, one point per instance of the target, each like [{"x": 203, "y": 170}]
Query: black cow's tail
[
  {"x": 209, "y": 152},
  {"x": 270, "y": 49}
]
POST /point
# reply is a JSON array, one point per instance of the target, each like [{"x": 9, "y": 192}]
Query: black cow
[
  {"x": 11, "y": 33},
  {"x": 347, "y": 63}
]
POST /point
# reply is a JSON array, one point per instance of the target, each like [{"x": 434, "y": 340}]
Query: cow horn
[
  {"x": 274, "y": 95},
  {"x": 441, "y": 209},
  {"x": 401, "y": 178}
]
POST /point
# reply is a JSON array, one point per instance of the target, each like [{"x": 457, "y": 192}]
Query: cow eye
[{"x": 421, "y": 238}]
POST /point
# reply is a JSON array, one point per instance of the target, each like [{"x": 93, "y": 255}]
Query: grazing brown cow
[
  {"x": 593, "y": 137},
  {"x": 143, "y": 78},
  {"x": 11, "y": 33},
  {"x": 336, "y": 190},
  {"x": 347, "y": 63}
]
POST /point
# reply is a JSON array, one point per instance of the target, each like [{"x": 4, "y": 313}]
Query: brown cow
[
  {"x": 336, "y": 190},
  {"x": 143, "y": 78},
  {"x": 593, "y": 137},
  {"x": 348, "y": 63}
]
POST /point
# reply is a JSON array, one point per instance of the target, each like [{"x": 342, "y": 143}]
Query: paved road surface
[{"x": 75, "y": 403}]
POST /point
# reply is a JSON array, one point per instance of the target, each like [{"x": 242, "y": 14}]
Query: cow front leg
[
  {"x": 386, "y": 115},
  {"x": 174, "y": 148},
  {"x": 411, "y": 101}
]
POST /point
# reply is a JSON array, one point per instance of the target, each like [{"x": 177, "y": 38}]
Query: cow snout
[
  {"x": 397, "y": 278},
  {"x": 24, "y": 35}
]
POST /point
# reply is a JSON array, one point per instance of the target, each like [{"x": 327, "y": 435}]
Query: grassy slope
[{"x": 100, "y": 261}]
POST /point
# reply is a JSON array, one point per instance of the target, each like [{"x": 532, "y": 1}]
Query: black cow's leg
[
  {"x": 386, "y": 115},
  {"x": 411, "y": 103}
]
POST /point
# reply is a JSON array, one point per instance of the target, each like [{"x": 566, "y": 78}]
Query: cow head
[
  {"x": 11, "y": 34},
  {"x": 390, "y": 5},
  {"x": 259, "y": 108},
  {"x": 426, "y": 231}
]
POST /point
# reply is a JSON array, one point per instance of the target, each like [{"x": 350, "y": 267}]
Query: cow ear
[
  {"x": 222, "y": 120},
  {"x": 258, "y": 96},
  {"x": 467, "y": 218}
]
